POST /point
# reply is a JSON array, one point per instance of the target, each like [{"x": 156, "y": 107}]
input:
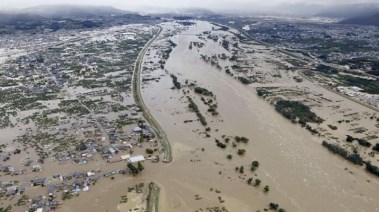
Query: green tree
[
  {"x": 241, "y": 152},
  {"x": 273, "y": 206},
  {"x": 257, "y": 182},
  {"x": 249, "y": 180},
  {"x": 241, "y": 170},
  {"x": 134, "y": 170},
  {"x": 140, "y": 166}
]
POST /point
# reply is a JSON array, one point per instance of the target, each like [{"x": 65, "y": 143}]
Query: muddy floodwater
[{"x": 302, "y": 175}]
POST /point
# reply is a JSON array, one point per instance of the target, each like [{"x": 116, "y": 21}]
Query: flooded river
[{"x": 302, "y": 175}]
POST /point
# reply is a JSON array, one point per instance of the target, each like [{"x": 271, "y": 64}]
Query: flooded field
[{"x": 69, "y": 122}]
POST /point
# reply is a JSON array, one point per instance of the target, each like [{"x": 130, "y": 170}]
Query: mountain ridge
[{"x": 73, "y": 11}]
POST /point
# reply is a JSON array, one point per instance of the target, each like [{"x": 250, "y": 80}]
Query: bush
[
  {"x": 175, "y": 81},
  {"x": 195, "y": 109},
  {"x": 203, "y": 91},
  {"x": 241, "y": 152},
  {"x": 241, "y": 169},
  {"x": 349, "y": 138},
  {"x": 373, "y": 169},
  {"x": 257, "y": 182},
  {"x": 354, "y": 158},
  {"x": 326, "y": 69},
  {"x": 249, "y": 180},
  {"x": 255, "y": 164},
  {"x": 273, "y": 206},
  {"x": 376, "y": 147},
  {"x": 241, "y": 139},
  {"x": 263, "y": 92},
  {"x": 244, "y": 80},
  {"x": 134, "y": 170},
  {"x": 363, "y": 142}
]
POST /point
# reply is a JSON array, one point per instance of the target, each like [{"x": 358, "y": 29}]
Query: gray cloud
[{"x": 211, "y": 4}]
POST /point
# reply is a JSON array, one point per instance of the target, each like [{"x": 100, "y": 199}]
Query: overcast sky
[{"x": 133, "y": 4}]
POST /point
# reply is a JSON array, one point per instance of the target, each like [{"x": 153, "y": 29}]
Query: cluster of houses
[
  {"x": 350, "y": 91},
  {"x": 11, "y": 188},
  {"x": 10, "y": 170},
  {"x": 356, "y": 93}
]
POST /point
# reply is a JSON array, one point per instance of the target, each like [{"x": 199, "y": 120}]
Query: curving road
[{"x": 136, "y": 86}]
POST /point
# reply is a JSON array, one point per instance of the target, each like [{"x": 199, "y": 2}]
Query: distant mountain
[
  {"x": 372, "y": 19},
  {"x": 296, "y": 9},
  {"x": 196, "y": 11},
  {"x": 73, "y": 11},
  {"x": 349, "y": 10},
  {"x": 305, "y": 9},
  {"x": 174, "y": 11},
  {"x": 8, "y": 18}
]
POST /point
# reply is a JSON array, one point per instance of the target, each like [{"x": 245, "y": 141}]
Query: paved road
[{"x": 139, "y": 101}]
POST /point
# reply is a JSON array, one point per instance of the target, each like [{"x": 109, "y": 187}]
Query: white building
[{"x": 136, "y": 159}]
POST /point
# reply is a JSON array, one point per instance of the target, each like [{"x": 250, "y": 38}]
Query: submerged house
[{"x": 135, "y": 159}]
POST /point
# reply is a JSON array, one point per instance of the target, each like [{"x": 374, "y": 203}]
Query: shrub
[
  {"x": 244, "y": 80},
  {"x": 376, "y": 147},
  {"x": 349, "y": 138},
  {"x": 255, "y": 164},
  {"x": 195, "y": 109},
  {"x": 241, "y": 139},
  {"x": 273, "y": 206},
  {"x": 257, "y": 182},
  {"x": 219, "y": 144},
  {"x": 241, "y": 151},
  {"x": 175, "y": 81},
  {"x": 249, "y": 180},
  {"x": 373, "y": 169},
  {"x": 241, "y": 169},
  {"x": 363, "y": 142},
  {"x": 203, "y": 91},
  {"x": 354, "y": 158}
]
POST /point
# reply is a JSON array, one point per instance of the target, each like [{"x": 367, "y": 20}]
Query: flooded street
[{"x": 302, "y": 175}]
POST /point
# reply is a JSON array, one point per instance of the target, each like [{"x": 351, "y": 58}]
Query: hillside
[
  {"x": 73, "y": 11},
  {"x": 363, "y": 20},
  {"x": 349, "y": 10},
  {"x": 15, "y": 18}
]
